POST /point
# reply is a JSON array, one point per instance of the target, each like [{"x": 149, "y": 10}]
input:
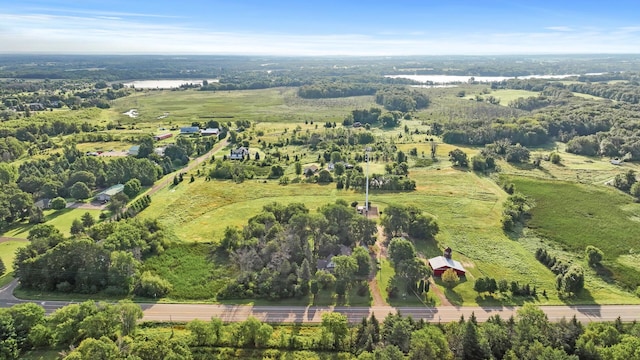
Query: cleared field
[
  {"x": 508, "y": 95},
  {"x": 468, "y": 206},
  {"x": 277, "y": 104}
]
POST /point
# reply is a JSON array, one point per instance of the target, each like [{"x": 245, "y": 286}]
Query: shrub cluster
[
  {"x": 523, "y": 290},
  {"x": 556, "y": 266},
  {"x": 136, "y": 207},
  {"x": 516, "y": 207}
]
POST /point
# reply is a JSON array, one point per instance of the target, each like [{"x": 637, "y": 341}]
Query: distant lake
[
  {"x": 163, "y": 84},
  {"x": 449, "y": 79}
]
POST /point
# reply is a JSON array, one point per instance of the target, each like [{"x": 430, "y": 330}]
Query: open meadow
[{"x": 467, "y": 205}]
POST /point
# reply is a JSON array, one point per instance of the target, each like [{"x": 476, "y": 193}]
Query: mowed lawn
[
  {"x": 7, "y": 254},
  {"x": 61, "y": 219},
  {"x": 576, "y": 215}
]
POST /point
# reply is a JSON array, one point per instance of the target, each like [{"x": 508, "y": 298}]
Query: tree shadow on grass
[
  {"x": 584, "y": 297},
  {"x": 453, "y": 297}
]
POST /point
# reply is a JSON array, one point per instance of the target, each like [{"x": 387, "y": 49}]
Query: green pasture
[
  {"x": 573, "y": 216},
  {"x": 574, "y": 168},
  {"x": 7, "y": 254}
]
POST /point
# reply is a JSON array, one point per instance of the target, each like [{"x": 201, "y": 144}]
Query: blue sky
[{"x": 329, "y": 27}]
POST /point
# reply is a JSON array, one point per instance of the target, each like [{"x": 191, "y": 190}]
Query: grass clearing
[
  {"x": 508, "y": 95},
  {"x": 187, "y": 268},
  {"x": 7, "y": 254}
]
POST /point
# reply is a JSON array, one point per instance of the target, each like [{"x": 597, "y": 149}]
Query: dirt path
[
  {"x": 7, "y": 238},
  {"x": 436, "y": 290},
  {"x": 374, "y": 287}
]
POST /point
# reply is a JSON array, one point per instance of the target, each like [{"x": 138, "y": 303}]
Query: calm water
[{"x": 163, "y": 84}]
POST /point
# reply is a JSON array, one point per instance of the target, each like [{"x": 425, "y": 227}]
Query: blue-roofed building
[{"x": 188, "y": 130}]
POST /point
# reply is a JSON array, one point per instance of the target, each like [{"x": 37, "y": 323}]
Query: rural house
[
  {"x": 239, "y": 153},
  {"x": 440, "y": 264},
  {"x": 43, "y": 204},
  {"x": 326, "y": 264},
  {"x": 106, "y": 195},
  {"x": 310, "y": 170}
]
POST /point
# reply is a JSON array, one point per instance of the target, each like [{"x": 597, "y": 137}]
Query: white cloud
[
  {"x": 559, "y": 28},
  {"x": 113, "y": 34}
]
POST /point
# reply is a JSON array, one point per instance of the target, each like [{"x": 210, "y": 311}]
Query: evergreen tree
[{"x": 471, "y": 348}]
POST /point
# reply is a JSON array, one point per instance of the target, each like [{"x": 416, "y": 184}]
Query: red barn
[{"x": 440, "y": 264}]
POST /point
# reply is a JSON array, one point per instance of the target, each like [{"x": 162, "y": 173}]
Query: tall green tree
[
  {"x": 395, "y": 220},
  {"x": 429, "y": 343},
  {"x": 363, "y": 260},
  {"x": 335, "y": 328},
  {"x": 401, "y": 250},
  {"x": 363, "y": 230}
]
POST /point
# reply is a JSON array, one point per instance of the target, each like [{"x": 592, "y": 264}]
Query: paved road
[{"x": 313, "y": 314}]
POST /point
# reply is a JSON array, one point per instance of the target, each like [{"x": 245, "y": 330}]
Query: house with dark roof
[{"x": 326, "y": 264}]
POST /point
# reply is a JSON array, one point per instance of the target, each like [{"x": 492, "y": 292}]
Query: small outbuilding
[
  {"x": 210, "y": 132},
  {"x": 440, "y": 264},
  {"x": 162, "y": 136},
  {"x": 106, "y": 195},
  {"x": 188, "y": 130}
]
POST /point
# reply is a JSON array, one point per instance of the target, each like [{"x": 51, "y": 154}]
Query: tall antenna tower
[{"x": 366, "y": 199}]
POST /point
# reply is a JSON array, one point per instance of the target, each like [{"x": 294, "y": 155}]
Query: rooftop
[
  {"x": 115, "y": 189},
  {"x": 441, "y": 261}
]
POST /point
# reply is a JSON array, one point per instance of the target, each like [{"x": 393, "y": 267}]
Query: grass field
[
  {"x": 468, "y": 206},
  {"x": 508, "y": 95},
  {"x": 575, "y": 215},
  {"x": 7, "y": 254},
  {"x": 268, "y": 105}
]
